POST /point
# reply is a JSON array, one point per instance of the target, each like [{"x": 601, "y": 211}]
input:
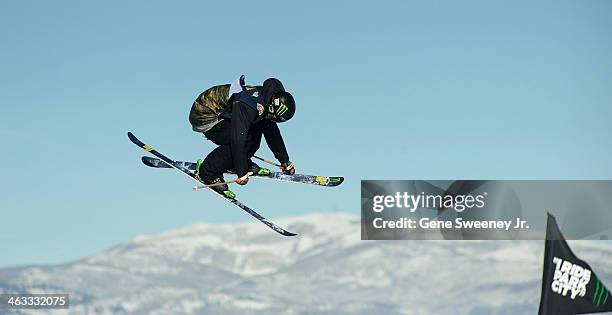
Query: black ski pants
[{"x": 220, "y": 159}]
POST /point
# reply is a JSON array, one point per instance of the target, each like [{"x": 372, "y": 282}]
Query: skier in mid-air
[{"x": 234, "y": 117}]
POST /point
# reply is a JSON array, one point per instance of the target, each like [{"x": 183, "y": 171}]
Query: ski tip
[
  {"x": 132, "y": 137},
  {"x": 282, "y": 231},
  {"x": 335, "y": 181},
  {"x": 277, "y": 228},
  {"x": 138, "y": 142},
  {"x": 148, "y": 161}
]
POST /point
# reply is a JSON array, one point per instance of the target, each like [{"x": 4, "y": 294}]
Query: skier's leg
[
  {"x": 219, "y": 160},
  {"x": 216, "y": 163},
  {"x": 220, "y": 133},
  {"x": 211, "y": 170}
]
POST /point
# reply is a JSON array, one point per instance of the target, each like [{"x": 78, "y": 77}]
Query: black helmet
[{"x": 282, "y": 107}]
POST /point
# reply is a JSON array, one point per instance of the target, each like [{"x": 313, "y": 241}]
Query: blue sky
[{"x": 385, "y": 90}]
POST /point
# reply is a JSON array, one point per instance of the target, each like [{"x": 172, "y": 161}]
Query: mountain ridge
[{"x": 326, "y": 269}]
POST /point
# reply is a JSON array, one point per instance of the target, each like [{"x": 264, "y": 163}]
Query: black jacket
[{"x": 244, "y": 121}]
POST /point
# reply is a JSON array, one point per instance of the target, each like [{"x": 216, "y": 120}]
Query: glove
[
  {"x": 288, "y": 168},
  {"x": 244, "y": 179}
]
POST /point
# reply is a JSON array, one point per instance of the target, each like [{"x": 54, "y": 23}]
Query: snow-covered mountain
[{"x": 327, "y": 269}]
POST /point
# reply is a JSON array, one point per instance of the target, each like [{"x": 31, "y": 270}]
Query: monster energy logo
[
  {"x": 599, "y": 292},
  {"x": 282, "y": 109}
]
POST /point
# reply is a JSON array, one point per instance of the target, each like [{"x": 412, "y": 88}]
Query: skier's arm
[
  {"x": 242, "y": 118},
  {"x": 275, "y": 142}
]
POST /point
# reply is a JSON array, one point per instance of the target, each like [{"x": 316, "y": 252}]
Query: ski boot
[
  {"x": 257, "y": 170},
  {"x": 222, "y": 189}
]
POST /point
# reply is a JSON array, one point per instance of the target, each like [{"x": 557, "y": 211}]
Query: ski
[
  {"x": 190, "y": 167},
  {"x": 172, "y": 164}
]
